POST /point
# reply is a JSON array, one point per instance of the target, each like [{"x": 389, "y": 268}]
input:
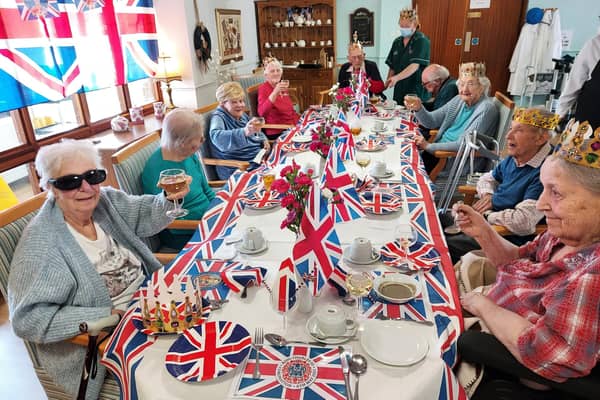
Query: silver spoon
[
  {"x": 358, "y": 366},
  {"x": 280, "y": 341}
]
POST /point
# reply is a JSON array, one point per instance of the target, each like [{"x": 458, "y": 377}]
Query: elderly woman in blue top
[
  {"x": 181, "y": 138},
  {"x": 470, "y": 110},
  {"x": 233, "y": 135},
  {"x": 80, "y": 258}
]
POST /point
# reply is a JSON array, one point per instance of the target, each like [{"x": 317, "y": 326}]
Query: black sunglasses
[{"x": 70, "y": 182}]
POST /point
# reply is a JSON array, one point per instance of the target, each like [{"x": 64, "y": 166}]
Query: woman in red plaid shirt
[{"x": 544, "y": 306}]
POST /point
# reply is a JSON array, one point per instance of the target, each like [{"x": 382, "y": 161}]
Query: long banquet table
[{"x": 431, "y": 378}]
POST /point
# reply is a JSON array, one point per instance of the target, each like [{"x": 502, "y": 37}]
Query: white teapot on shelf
[
  {"x": 299, "y": 20},
  {"x": 301, "y": 43}
]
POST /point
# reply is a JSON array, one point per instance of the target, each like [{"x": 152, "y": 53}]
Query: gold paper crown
[
  {"x": 580, "y": 145},
  {"x": 535, "y": 117},
  {"x": 408, "y": 13},
  {"x": 472, "y": 69}
]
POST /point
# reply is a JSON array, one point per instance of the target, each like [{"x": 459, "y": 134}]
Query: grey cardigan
[
  {"x": 53, "y": 286},
  {"x": 484, "y": 119}
]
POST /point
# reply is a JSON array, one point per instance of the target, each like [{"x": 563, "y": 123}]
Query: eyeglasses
[
  {"x": 70, "y": 182},
  {"x": 428, "y": 82}
]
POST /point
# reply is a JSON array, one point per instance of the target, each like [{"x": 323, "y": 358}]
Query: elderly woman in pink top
[{"x": 274, "y": 102}]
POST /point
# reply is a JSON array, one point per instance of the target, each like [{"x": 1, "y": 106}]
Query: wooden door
[{"x": 459, "y": 34}]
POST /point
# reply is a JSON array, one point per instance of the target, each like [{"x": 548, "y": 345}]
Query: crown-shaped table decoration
[
  {"x": 408, "y": 13},
  {"x": 536, "y": 117},
  {"x": 472, "y": 70},
  {"x": 171, "y": 309},
  {"x": 579, "y": 144}
]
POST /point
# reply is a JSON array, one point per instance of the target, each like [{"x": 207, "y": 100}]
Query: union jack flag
[
  {"x": 347, "y": 206},
  {"x": 87, "y": 5},
  {"x": 318, "y": 250},
  {"x": 219, "y": 291},
  {"x": 237, "y": 278},
  {"x": 337, "y": 279},
  {"x": 421, "y": 255},
  {"x": 124, "y": 351},
  {"x": 206, "y": 351},
  {"x": 361, "y": 93},
  {"x": 345, "y": 145},
  {"x": 380, "y": 203},
  {"x": 286, "y": 286},
  {"x": 298, "y": 372},
  {"x": 410, "y": 124},
  {"x": 46, "y": 52}
]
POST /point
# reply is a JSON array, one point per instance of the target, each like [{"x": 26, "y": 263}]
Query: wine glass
[
  {"x": 411, "y": 99},
  {"x": 363, "y": 160},
  {"x": 406, "y": 239},
  {"x": 174, "y": 180},
  {"x": 286, "y": 84},
  {"x": 454, "y": 228},
  {"x": 267, "y": 178},
  {"x": 359, "y": 284},
  {"x": 258, "y": 122}
]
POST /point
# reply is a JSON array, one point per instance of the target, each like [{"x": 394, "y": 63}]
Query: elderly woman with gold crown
[
  {"x": 470, "y": 110},
  {"x": 544, "y": 304}
]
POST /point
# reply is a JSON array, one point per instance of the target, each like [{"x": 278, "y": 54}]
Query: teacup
[
  {"x": 286, "y": 23},
  {"x": 313, "y": 43},
  {"x": 379, "y": 168},
  {"x": 136, "y": 115},
  {"x": 329, "y": 42},
  {"x": 277, "y": 24},
  {"x": 159, "y": 109},
  {"x": 378, "y": 126},
  {"x": 252, "y": 239},
  {"x": 291, "y": 24},
  {"x": 328, "y": 22},
  {"x": 268, "y": 45},
  {"x": 332, "y": 321},
  {"x": 361, "y": 250},
  {"x": 292, "y": 44},
  {"x": 284, "y": 44},
  {"x": 322, "y": 43},
  {"x": 275, "y": 44},
  {"x": 319, "y": 22}
]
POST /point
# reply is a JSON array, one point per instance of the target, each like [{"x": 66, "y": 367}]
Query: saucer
[
  {"x": 243, "y": 250},
  {"x": 312, "y": 327},
  {"x": 388, "y": 174},
  {"x": 302, "y": 139},
  {"x": 394, "y": 343},
  {"x": 375, "y": 257},
  {"x": 383, "y": 129}
]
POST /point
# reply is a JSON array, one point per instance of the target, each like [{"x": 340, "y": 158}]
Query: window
[
  {"x": 18, "y": 181},
  {"x": 142, "y": 92},
  {"x": 10, "y": 137},
  {"x": 55, "y": 117},
  {"x": 104, "y": 103}
]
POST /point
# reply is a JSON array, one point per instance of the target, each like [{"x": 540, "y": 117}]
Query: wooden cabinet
[{"x": 299, "y": 32}]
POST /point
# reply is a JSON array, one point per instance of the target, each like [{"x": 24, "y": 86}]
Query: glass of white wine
[
  {"x": 174, "y": 180},
  {"x": 258, "y": 122},
  {"x": 363, "y": 160},
  {"x": 359, "y": 284}
]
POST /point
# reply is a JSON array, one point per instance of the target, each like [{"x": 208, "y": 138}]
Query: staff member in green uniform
[{"x": 408, "y": 57}]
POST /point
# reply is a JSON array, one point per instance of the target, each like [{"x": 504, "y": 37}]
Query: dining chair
[
  {"x": 252, "y": 93},
  {"x": 12, "y": 223},
  {"x": 128, "y": 164},
  {"x": 208, "y": 162}
]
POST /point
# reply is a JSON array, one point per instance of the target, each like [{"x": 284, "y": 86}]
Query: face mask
[{"x": 406, "y": 32}]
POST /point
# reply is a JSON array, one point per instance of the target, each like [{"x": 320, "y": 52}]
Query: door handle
[{"x": 467, "y": 42}]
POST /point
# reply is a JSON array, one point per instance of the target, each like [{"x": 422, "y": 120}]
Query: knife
[{"x": 345, "y": 371}]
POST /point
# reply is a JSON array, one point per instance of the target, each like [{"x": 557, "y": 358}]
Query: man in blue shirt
[{"x": 508, "y": 193}]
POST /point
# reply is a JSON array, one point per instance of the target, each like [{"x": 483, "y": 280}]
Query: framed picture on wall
[
  {"x": 229, "y": 34},
  {"x": 361, "y": 22}
]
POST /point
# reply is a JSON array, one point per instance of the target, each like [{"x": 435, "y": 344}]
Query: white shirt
[{"x": 584, "y": 65}]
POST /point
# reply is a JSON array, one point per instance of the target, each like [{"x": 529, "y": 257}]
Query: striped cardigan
[{"x": 484, "y": 119}]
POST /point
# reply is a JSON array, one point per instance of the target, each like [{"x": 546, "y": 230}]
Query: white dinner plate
[
  {"x": 397, "y": 343},
  {"x": 388, "y": 174},
  {"x": 396, "y": 278},
  {"x": 302, "y": 139},
  {"x": 383, "y": 129}
]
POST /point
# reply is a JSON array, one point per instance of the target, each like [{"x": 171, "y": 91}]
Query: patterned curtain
[{"x": 50, "y": 49}]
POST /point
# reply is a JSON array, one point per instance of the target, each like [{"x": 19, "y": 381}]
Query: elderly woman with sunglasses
[
  {"x": 80, "y": 258},
  {"x": 471, "y": 110}
]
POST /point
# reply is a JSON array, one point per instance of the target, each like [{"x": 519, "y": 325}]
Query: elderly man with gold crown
[
  {"x": 543, "y": 306},
  {"x": 508, "y": 193},
  {"x": 470, "y": 110}
]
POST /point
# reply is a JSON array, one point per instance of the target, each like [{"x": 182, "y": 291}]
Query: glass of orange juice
[{"x": 268, "y": 177}]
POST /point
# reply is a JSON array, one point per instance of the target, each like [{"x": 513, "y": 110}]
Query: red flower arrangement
[
  {"x": 342, "y": 97},
  {"x": 294, "y": 186},
  {"x": 322, "y": 139}
]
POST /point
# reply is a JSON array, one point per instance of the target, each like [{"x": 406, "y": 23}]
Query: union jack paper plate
[
  {"x": 370, "y": 145},
  {"x": 207, "y": 351},
  {"x": 380, "y": 203},
  {"x": 420, "y": 255},
  {"x": 262, "y": 199}
]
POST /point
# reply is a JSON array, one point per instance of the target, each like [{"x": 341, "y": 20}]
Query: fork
[{"x": 259, "y": 339}]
